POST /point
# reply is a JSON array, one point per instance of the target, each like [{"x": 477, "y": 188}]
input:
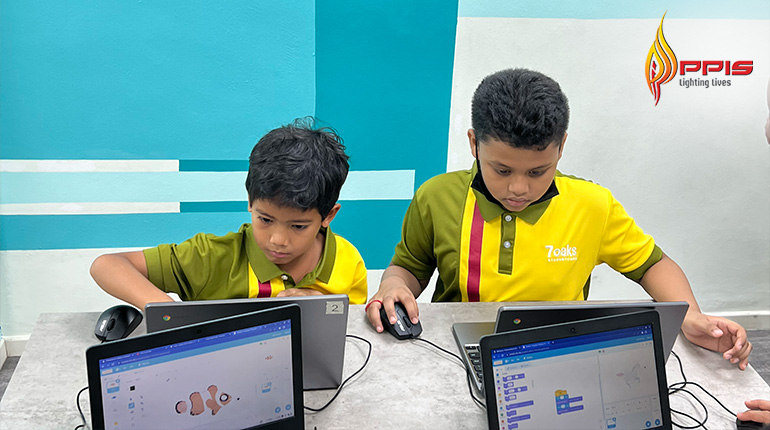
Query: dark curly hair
[
  {"x": 298, "y": 166},
  {"x": 520, "y": 107}
]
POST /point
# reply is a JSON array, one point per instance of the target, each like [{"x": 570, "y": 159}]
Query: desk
[{"x": 407, "y": 384}]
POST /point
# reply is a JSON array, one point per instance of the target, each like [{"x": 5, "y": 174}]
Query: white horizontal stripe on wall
[
  {"x": 88, "y": 208},
  {"x": 89, "y": 165}
]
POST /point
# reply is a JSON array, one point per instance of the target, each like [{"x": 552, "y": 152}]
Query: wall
[
  {"x": 126, "y": 124},
  {"x": 123, "y": 125},
  {"x": 694, "y": 171}
]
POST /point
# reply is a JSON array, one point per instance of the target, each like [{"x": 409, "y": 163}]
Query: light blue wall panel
[{"x": 613, "y": 9}]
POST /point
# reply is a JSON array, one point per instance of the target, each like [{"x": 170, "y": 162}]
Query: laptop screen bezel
[
  {"x": 197, "y": 331},
  {"x": 570, "y": 329}
]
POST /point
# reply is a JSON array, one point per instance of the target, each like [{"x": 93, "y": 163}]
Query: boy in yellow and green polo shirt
[
  {"x": 295, "y": 176},
  {"x": 512, "y": 228}
]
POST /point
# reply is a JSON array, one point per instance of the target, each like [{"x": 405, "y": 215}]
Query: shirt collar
[
  {"x": 267, "y": 270},
  {"x": 490, "y": 208}
]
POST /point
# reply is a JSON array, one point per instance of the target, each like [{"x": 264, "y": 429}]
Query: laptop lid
[
  {"x": 602, "y": 373},
  {"x": 240, "y": 372},
  {"x": 536, "y": 314},
  {"x": 325, "y": 321}
]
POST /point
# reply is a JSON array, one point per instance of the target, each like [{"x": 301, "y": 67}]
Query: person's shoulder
[
  {"x": 344, "y": 246},
  {"x": 582, "y": 191},
  {"x": 444, "y": 182},
  {"x": 212, "y": 239},
  {"x": 571, "y": 183}
]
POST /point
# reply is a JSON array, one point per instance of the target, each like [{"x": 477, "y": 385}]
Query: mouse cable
[
  {"x": 82, "y": 416},
  {"x": 468, "y": 375},
  {"x": 680, "y": 387},
  {"x": 336, "y": 393}
]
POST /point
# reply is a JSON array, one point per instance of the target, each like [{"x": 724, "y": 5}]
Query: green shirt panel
[{"x": 210, "y": 267}]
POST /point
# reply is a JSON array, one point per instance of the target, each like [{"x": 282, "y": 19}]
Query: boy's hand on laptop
[
  {"x": 295, "y": 292},
  {"x": 718, "y": 334}
]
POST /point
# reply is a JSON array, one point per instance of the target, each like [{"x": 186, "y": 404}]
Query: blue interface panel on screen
[
  {"x": 604, "y": 380},
  {"x": 238, "y": 379}
]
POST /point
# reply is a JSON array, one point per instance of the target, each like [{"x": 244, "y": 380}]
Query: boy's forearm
[
  {"x": 125, "y": 276},
  {"x": 666, "y": 282},
  {"x": 415, "y": 286}
]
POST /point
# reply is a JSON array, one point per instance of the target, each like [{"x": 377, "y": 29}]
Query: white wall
[{"x": 694, "y": 170}]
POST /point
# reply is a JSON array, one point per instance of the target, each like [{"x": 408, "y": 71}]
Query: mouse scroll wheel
[
  {"x": 406, "y": 321},
  {"x": 111, "y": 324}
]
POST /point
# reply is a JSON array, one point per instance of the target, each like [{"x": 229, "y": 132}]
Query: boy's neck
[{"x": 305, "y": 264}]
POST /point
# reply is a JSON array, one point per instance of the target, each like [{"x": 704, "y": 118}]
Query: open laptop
[
  {"x": 533, "y": 314},
  {"x": 240, "y": 372},
  {"x": 325, "y": 321},
  {"x": 601, "y": 373}
]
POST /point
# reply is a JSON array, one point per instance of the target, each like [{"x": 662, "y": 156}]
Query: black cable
[
  {"x": 369, "y": 354},
  {"x": 82, "y": 416},
  {"x": 468, "y": 375},
  {"x": 680, "y": 387}
]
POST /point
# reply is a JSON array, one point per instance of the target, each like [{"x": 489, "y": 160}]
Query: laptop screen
[
  {"x": 604, "y": 380},
  {"x": 236, "y": 379}
]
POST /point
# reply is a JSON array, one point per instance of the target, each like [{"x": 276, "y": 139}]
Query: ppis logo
[
  {"x": 565, "y": 253},
  {"x": 662, "y": 66}
]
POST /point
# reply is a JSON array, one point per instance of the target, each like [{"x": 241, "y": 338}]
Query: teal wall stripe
[
  {"x": 613, "y": 9},
  {"x": 151, "y": 80},
  {"x": 215, "y": 165},
  {"x": 373, "y": 226},
  {"x": 234, "y": 206},
  {"x": 384, "y": 80}
]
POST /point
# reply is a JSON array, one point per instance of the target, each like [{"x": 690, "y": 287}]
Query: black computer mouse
[
  {"x": 117, "y": 322},
  {"x": 403, "y": 328},
  {"x": 750, "y": 425}
]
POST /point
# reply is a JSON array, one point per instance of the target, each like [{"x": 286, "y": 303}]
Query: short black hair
[
  {"x": 520, "y": 107},
  {"x": 298, "y": 166}
]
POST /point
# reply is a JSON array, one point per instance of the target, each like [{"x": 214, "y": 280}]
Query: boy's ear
[
  {"x": 472, "y": 141},
  {"x": 332, "y": 213},
  {"x": 561, "y": 146}
]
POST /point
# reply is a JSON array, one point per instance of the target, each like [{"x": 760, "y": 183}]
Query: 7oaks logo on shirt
[
  {"x": 662, "y": 66},
  {"x": 563, "y": 253}
]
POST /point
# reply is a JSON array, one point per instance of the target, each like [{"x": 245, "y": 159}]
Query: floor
[{"x": 760, "y": 359}]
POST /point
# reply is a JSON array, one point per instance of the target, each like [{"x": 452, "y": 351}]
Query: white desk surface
[{"x": 406, "y": 385}]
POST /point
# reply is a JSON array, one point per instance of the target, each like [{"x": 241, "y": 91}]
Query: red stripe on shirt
[
  {"x": 264, "y": 289},
  {"x": 474, "y": 255}
]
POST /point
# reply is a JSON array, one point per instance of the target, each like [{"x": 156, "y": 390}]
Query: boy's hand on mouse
[
  {"x": 295, "y": 292},
  {"x": 718, "y": 334},
  {"x": 759, "y": 411},
  {"x": 391, "y": 290}
]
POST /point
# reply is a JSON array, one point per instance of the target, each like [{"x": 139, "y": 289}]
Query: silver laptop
[
  {"x": 196, "y": 377},
  {"x": 601, "y": 373},
  {"x": 324, "y": 325},
  {"x": 534, "y": 314}
]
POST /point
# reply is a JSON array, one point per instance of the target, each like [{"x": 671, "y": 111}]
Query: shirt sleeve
[
  {"x": 185, "y": 268},
  {"x": 625, "y": 247},
  {"x": 415, "y": 251},
  {"x": 348, "y": 275}
]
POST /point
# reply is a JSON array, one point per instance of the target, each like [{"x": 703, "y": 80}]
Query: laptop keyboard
[{"x": 474, "y": 354}]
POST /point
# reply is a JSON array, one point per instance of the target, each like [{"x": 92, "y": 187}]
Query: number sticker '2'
[{"x": 334, "y": 308}]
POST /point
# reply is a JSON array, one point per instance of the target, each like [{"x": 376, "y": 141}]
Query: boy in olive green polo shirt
[
  {"x": 295, "y": 176},
  {"x": 513, "y": 228}
]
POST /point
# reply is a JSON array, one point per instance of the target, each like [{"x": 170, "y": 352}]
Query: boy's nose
[
  {"x": 518, "y": 186},
  {"x": 278, "y": 238}
]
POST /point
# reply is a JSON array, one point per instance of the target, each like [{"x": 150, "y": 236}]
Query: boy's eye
[
  {"x": 265, "y": 220},
  {"x": 502, "y": 172},
  {"x": 299, "y": 226},
  {"x": 536, "y": 173}
]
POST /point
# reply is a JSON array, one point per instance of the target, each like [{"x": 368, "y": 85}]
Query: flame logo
[{"x": 661, "y": 63}]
